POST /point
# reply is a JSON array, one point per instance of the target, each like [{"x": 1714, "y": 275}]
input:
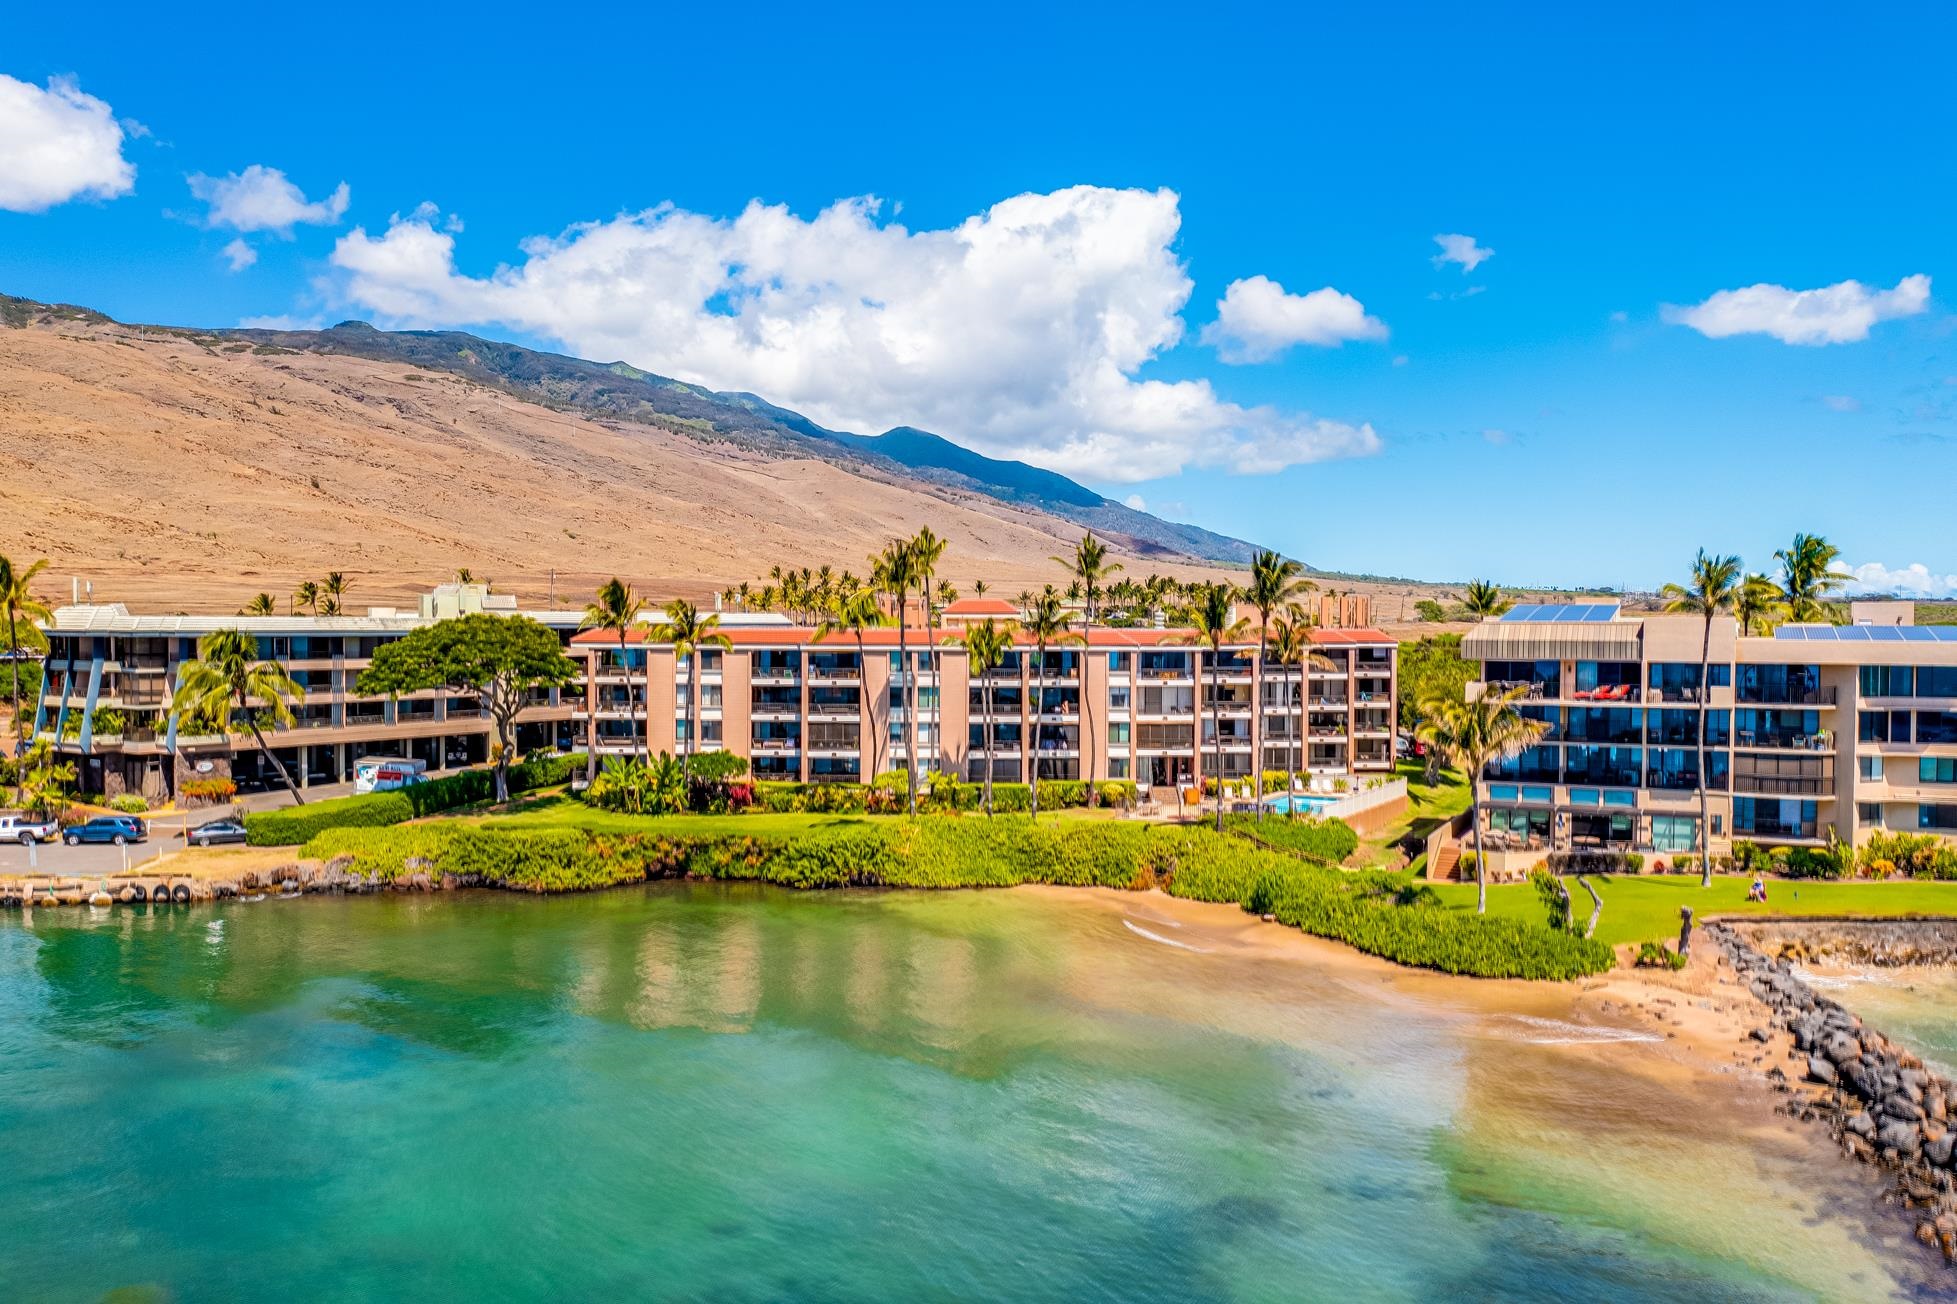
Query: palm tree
[
  {"x": 1213, "y": 623},
  {"x": 1714, "y": 584},
  {"x": 1473, "y": 736},
  {"x": 1289, "y": 644},
  {"x": 463, "y": 575},
  {"x": 263, "y": 604},
  {"x": 1091, "y": 569},
  {"x": 335, "y": 588},
  {"x": 226, "y": 678},
  {"x": 1757, "y": 603},
  {"x": 894, "y": 572},
  {"x": 1047, "y": 623},
  {"x": 930, "y": 550},
  {"x": 614, "y": 609},
  {"x": 18, "y": 603},
  {"x": 852, "y": 614},
  {"x": 978, "y": 588},
  {"x": 306, "y": 595},
  {"x": 1484, "y": 599},
  {"x": 1808, "y": 575},
  {"x": 986, "y": 645},
  {"x": 1274, "y": 582},
  {"x": 690, "y": 633},
  {"x": 328, "y": 606}
]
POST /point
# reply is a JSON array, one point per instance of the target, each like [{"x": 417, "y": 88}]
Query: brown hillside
[{"x": 174, "y": 475}]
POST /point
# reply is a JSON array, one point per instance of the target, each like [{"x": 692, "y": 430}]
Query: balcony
[
  {"x": 1787, "y": 695},
  {"x": 1781, "y": 740}
]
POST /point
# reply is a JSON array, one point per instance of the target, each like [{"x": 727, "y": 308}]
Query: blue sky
[{"x": 1063, "y": 202}]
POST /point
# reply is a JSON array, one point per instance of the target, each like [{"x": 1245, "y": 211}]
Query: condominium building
[
  {"x": 110, "y": 674},
  {"x": 1131, "y": 703},
  {"x": 1811, "y": 731}
]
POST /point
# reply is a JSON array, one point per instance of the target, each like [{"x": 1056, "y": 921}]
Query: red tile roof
[
  {"x": 886, "y": 637},
  {"x": 981, "y": 607}
]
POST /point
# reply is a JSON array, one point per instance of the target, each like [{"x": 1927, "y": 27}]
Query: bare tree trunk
[
  {"x": 1705, "y": 791},
  {"x": 876, "y": 731},
  {"x": 1481, "y": 861},
  {"x": 13, "y": 680},
  {"x": 910, "y": 709},
  {"x": 505, "y": 717},
  {"x": 284, "y": 778},
  {"x": 1596, "y": 910},
  {"x": 631, "y": 701},
  {"x": 1039, "y": 690},
  {"x": 985, "y": 692},
  {"x": 1216, "y": 724}
]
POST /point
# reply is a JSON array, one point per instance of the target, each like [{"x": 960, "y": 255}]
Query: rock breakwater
[{"x": 1877, "y": 1099}]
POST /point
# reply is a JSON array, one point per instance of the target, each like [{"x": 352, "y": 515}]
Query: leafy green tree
[
  {"x": 1808, "y": 576},
  {"x": 1714, "y": 584},
  {"x": 1214, "y": 622},
  {"x": 306, "y": 595},
  {"x": 1473, "y": 736},
  {"x": 500, "y": 660},
  {"x": 1275, "y": 582},
  {"x": 263, "y": 604},
  {"x": 690, "y": 632},
  {"x": 23, "y": 612},
  {"x": 1430, "y": 611},
  {"x": 1431, "y": 669},
  {"x": 42, "y": 781},
  {"x": 1091, "y": 570},
  {"x": 228, "y": 680},
  {"x": 987, "y": 644},
  {"x": 1484, "y": 599},
  {"x": 615, "y": 611}
]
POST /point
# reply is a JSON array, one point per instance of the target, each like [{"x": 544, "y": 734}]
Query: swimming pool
[{"x": 1303, "y": 803}]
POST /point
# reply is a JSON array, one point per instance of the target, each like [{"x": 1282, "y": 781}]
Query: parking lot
[{"x": 97, "y": 859}]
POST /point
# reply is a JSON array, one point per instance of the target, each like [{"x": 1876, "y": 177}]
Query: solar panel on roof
[
  {"x": 1915, "y": 634},
  {"x": 1946, "y": 633}
]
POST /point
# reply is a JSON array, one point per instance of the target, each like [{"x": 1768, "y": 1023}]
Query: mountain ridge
[{"x": 628, "y": 392}]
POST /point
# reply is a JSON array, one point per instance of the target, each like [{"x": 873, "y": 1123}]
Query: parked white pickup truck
[{"x": 26, "y": 830}]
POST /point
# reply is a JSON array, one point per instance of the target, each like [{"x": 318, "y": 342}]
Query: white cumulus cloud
[
  {"x": 262, "y": 199},
  {"x": 58, "y": 144},
  {"x": 1020, "y": 331},
  {"x": 240, "y": 254},
  {"x": 1136, "y": 501},
  {"x": 1256, "y": 320},
  {"x": 1461, "y": 249},
  {"x": 1912, "y": 581},
  {"x": 1835, "y": 314}
]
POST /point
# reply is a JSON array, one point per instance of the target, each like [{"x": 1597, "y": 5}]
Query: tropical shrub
[
  {"x": 1370, "y": 911},
  {"x": 217, "y": 788},
  {"x": 1326, "y": 841},
  {"x": 129, "y": 803},
  {"x": 1656, "y": 955},
  {"x": 1919, "y": 855},
  {"x": 280, "y": 828},
  {"x": 376, "y": 809}
]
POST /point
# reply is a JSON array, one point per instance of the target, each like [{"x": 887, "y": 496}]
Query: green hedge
[
  {"x": 281, "y": 828},
  {"x": 1369, "y": 911},
  {"x": 1326, "y": 841},
  {"x": 296, "y": 824}
]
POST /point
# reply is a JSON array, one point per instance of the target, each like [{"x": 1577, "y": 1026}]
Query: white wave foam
[
  {"x": 1557, "y": 1032},
  {"x": 1139, "y": 931}
]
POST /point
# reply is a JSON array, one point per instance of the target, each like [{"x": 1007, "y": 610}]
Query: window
[
  {"x": 1869, "y": 814},
  {"x": 1868, "y": 769},
  {"x": 1760, "y": 683},
  {"x": 1118, "y": 698},
  {"x": 1887, "y": 681},
  {"x": 1935, "y": 726},
  {"x": 1884, "y": 726},
  {"x": 1674, "y": 833},
  {"x": 1120, "y": 662},
  {"x": 1118, "y": 734},
  {"x": 1936, "y": 681},
  {"x": 1939, "y": 816},
  {"x": 1936, "y": 769}
]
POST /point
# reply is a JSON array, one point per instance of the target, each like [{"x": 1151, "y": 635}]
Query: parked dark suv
[{"x": 118, "y": 829}]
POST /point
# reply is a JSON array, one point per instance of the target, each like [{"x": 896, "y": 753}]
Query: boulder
[
  {"x": 1860, "y": 1125},
  {"x": 1899, "y": 1136},
  {"x": 1841, "y": 1048},
  {"x": 1938, "y": 1151},
  {"x": 1820, "y": 1070}
]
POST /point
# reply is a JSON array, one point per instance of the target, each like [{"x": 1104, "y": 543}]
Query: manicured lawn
[
  {"x": 1644, "y": 907},
  {"x": 555, "y": 811},
  {"x": 1426, "y": 808}
]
